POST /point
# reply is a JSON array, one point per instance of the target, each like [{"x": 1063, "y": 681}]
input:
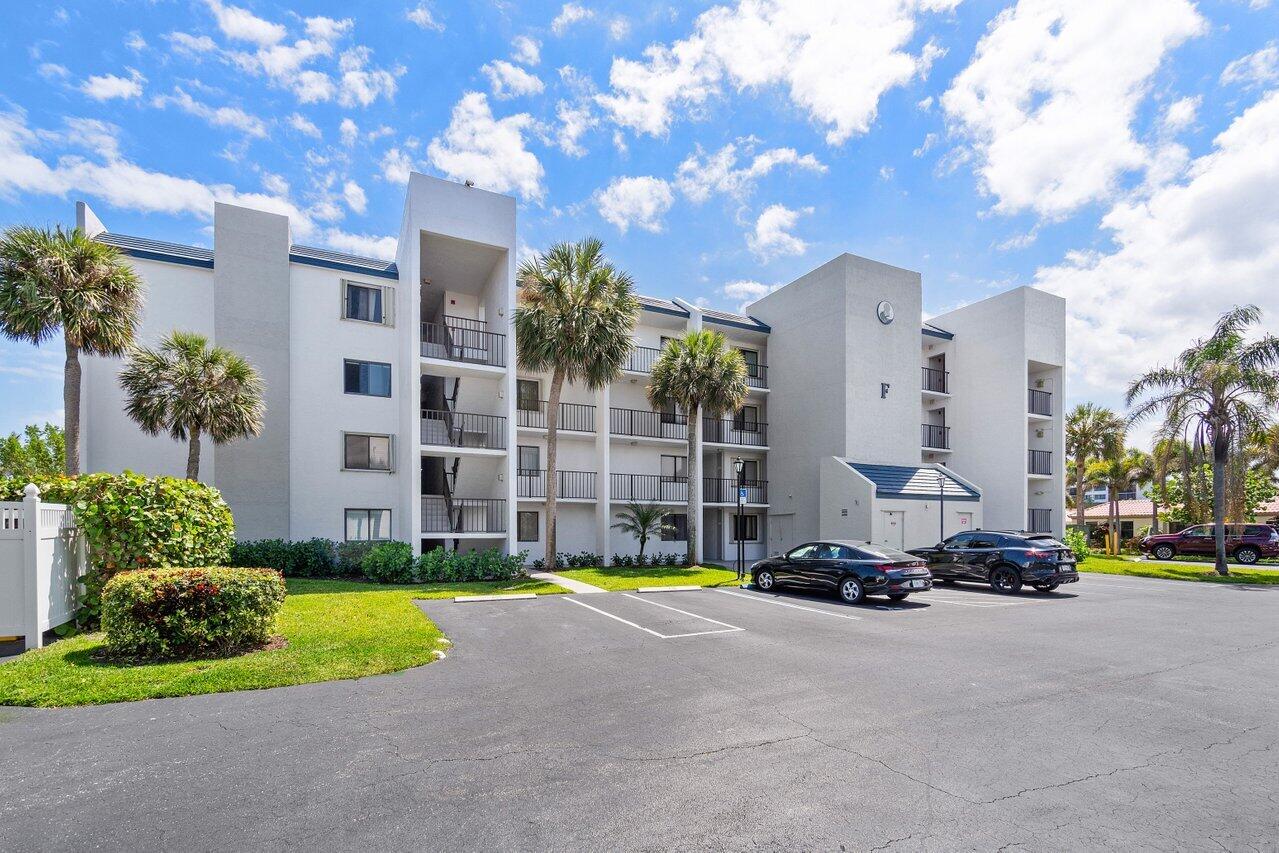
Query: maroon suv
[{"x": 1246, "y": 543}]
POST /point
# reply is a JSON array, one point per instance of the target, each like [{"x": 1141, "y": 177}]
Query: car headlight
[{"x": 755, "y": 565}]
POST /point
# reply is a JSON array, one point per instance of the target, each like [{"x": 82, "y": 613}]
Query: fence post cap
[{"x": 31, "y": 491}]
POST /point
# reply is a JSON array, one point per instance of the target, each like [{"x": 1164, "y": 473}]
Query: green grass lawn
[
  {"x": 625, "y": 577},
  {"x": 1182, "y": 572},
  {"x": 335, "y": 629}
]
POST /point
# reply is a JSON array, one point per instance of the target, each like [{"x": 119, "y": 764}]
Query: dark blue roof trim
[
  {"x": 756, "y": 326},
  {"x": 911, "y": 482},
  {"x": 660, "y": 309},
  {"x": 344, "y": 263},
  {"x": 158, "y": 250},
  {"x": 933, "y": 331}
]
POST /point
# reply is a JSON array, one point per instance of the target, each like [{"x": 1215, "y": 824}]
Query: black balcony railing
[
  {"x": 735, "y": 431},
  {"x": 463, "y": 515},
  {"x": 463, "y": 429},
  {"x": 648, "y": 488},
  {"x": 648, "y": 424},
  {"x": 577, "y": 417},
  {"x": 1040, "y": 521},
  {"x": 641, "y": 359},
  {"x": 1041, "y": 462},
  {"x": 935, "y": 436},
  {"x": 1040, "y": 402},
  {"x": 937, "y": 381},
  {"x": 756, "y": 375},
  {"x": 460, "y": 339},
  {"x": 723, "y": 490},
  {"x": 570, "y": 484}
]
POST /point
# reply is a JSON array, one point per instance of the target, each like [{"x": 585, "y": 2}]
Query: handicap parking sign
[{"x": 741, "y": 493}]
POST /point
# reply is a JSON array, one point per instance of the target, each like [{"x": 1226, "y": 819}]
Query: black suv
[{"x": 1004, "y": 559}]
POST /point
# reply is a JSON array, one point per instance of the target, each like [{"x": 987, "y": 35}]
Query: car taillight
[{"x": 1039, "y": 555}]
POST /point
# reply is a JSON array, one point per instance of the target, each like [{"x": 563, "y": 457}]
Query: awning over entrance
[{"x": 912, "y": 482}]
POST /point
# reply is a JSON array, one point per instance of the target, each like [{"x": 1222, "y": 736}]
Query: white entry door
[
  {"x": 965, "y": 521},
  {"x": 893, "y": 528}
]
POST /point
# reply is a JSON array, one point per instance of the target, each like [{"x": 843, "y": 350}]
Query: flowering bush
[{"x": 173, "y": 613}]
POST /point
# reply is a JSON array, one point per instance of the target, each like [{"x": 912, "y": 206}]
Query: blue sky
[{"x": 1123, "y": 155}]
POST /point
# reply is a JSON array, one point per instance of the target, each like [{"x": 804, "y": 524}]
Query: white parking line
[
  {"x": 726, "y": 629},
  {"x": 788, "y": 604},
  {"x": 571, "y": 600}
]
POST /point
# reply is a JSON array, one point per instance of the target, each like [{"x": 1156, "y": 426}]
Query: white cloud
[
  {"x": 619, "y": 28},
  {"x": 575, "y": 120},
  {"x": 106, "y": 87},
  {"x": 570, "y": 14},
  {"x": 348, "y": 131},
  {"x": 304, "y": 125},
  {"x": 422, "y": 16},
  {"x": 312, "y": 87},
  {"x": 396, "y": 165},
  {"x": 745, "y": 292},
  {"x": 510, "y": 81},
  {"x": 926, "y": 104},
  {"x": 275, "y": 184},
  {"x": 772, "y": 237},
  {"x": 365, "y": 245},
  {"x": 233, "y": 118},
  {"x": 328, "y": 29},
  {"x": 1255, "y": 69},
  {"x": 641, "y": 202},
  {"x": 355, "y": 198},
  {"x": 930, "y": 141},
  {"x": 1181, "y": 113},
  {"x": 135, "y": 42},
  {"x": 489, "y": 151},
  {"x": 701, "y": 174},
  {"x": 835, "y": 60},
  {"x": 53, "y": 71},
  {"x": 1188, "y": 252},
  {"x": 188, "y": 44},
  {"x": 363, "y": 85},
  {"x": 1053, "y": 83},
  {"x": 525, "y": 50},
  {"x": 243, "y": 25},
  {"x": 886, "y": 173}
]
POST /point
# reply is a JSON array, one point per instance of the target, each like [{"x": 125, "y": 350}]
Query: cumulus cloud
[
  {"x": 108, "y": 87},
  {"x": 304, "y": 125},
  {"x": 348, "y": 131},
  {"x": 575, "y": 119},
  {"x": 396, "y": 166},
  {"x": 526, "y": 50},
  {"x": 744, "y": 292},
  {"x": 1181, "y": 113},
  {"x": 364, "y": 245},
  {"x": 353, "y": 195},
  {"x": 834, "y": 60},
  {"x": 190, "y": 45},
  {"x": 421, "y": 15},
  {"x": 361, "y": 84},
  {"x": 241, "y": 24},
  {"x": 489, "y": 151},
  {"x": 510, "y": 81},
  {"x": 772, "y": 237},
  {"x": 570, "y": 14},
  {"x": 1255, "y": 69},
  {"x": 232, "y": 118},
  {"x": 1053, "y": 83},
  {"x": 641, "y": 201},
  {"x": 702, "y": 174}
]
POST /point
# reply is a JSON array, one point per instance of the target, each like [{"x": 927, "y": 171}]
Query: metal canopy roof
[{"x": 913, "y": 482}]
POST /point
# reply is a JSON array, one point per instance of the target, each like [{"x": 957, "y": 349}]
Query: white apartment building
[{"x": 396, "y": 408}]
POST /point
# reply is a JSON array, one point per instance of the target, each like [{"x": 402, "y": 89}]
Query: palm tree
[
  {"x": 1118, "y": 472},
  {"x": 1164, "y": 456},
  {"x": 1092, "y": 432},
  {"x": 188, "y": 389},
  {"x": 1219, "y": 392},
  {"x": 701, "y": 374},
  {"x": 51, "y": 280},
  {"x": 575, "y": 317},
  {"x": 642, "y": 521}
]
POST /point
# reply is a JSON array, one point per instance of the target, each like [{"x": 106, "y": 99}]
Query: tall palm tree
[
  {"x": 643, "y": 521},
  {"x": 1164, "y": 457},
  {"x": 1118, "y": 472},
  {"x": 701, "y": 374},
  {"x": 51, "y": 280},
  {"x": 1092, "y": 432},
  {"x": 574, "y": 318},
  {"x": 1219, "y": 392},
  {"x": 188, "y": 389}
]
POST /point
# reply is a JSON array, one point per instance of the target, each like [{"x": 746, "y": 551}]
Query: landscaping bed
[
  {"x": 633, "y": 577},
  {"x": 1184, "y": 572},
  {"x": 332, "y": 629}
]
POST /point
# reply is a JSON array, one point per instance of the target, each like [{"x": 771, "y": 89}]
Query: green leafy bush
[
  {"x": 349, "y": 556},
  {"x": 438, "y": 565},
  {"x": 54, "y": 490},
  {"x": 1077, "y": 542},
  {"x": 389, "y": 562},
  {"x": 175, "y": 613},
  {"x": 310, "y": 558}
]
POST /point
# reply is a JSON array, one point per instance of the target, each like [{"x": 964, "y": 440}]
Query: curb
[
  {"x": 515, "y": 596},
  {"x": 668, "y": 588}
]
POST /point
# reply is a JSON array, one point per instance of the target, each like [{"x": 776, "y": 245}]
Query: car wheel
[
  {"x": 851, "y": 592},
  {"x": 897, "y": 596},
  {"x": 1248, "y": 555},
  {"x": 1164, "y": 552},
  {"x": 1005, "y": 580},
  {"x": 1046, "y": 587},
  {"x": 765, "y": 580}
]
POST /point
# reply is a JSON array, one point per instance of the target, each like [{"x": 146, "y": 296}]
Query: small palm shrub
[
  {"x": 175, "y": 613},
  {"x": 389, "y": 562}
]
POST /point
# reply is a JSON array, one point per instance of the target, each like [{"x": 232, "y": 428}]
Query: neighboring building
[
  {"x": 395, "y": 408},
  {"x": 1135, "y": 515},
  {"x": 1101, "y": 494}
]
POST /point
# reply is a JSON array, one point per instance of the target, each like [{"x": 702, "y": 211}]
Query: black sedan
[
  {"x": 1005, "y": 559},
  {"x": 849, "y": 568}
]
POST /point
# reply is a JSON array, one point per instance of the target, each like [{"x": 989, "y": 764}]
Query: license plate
[{"x": 916, "y": 584}]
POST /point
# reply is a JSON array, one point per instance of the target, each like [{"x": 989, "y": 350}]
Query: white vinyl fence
[{"x": 41, "y": 560}]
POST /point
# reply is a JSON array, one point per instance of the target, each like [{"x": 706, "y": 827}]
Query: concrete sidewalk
[{"x": 567, "y": 583}]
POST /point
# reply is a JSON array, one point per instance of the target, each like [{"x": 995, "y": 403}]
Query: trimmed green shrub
[
  {"x": 349, "y": 556},
  {"x": 310, "y": 558},
  {"x": 54, "y": 490},
  {"x": 389, "y": 562},
  {"x": 440, "y": 566},
  {"x": 174, "y": 613},
  {"x": 1077, "y": 541}
]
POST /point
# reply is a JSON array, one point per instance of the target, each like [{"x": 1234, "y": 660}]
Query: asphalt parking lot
[{"x": 1117, "y": 712}]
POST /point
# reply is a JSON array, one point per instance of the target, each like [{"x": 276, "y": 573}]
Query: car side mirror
[{"x": 940, "y": 546}]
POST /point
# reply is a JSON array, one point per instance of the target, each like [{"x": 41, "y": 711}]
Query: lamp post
[
  {"x": 941, "y": 497},
  {"x": 740, "y": 467}
]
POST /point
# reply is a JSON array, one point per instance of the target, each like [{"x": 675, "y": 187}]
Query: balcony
[
  {"x": 452, "y": 516},
  {"x": 756, "y": 375},
  {"x": 465, "y": 341},
  {"x": 648, "y": 488},
  {"x": 1040, "y": 521},
  {"x": 642, "y": 359},
  {"x": 935, "y": 436},
  {"x": 570, "y": 485},
  {"x": 444, "y": 428},
  {"x": 576, "y": 417},
  {"x": 648, "y": 424},
  {"x": 735, "y": 431},
  {"x": 1040, "y": 403},
  {"x": 723, "y": 490},
  {"x": 1040, "y": 463},
  {"x": 936, "y": 381}
]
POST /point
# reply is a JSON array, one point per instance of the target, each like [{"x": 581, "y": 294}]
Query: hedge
[
  {"x": 392, "y": 562},
  {"x": 176, "y": 613},
  {"x": 308, "y": 558}
]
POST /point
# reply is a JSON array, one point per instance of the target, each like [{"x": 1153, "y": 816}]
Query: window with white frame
[
  {"x": 745, "y": 528},
  {"x": 368, "y": 525},
  {"x": 367, "y": 303},
  {"x": 365, "y": 452}
]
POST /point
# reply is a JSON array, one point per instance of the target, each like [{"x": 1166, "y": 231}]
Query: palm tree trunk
[
  {"x": 1079, "y": 492},
  {"x": 193, "y": 455},
  {"x": 552, "y": 481},
  {"x": 1220, "y": 455},
  {"x": 642, "y": 540},
  {"x": 694, "y": 482},
  {"x": 71, "y": 407}
]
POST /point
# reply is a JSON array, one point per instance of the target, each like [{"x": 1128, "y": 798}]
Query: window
[
  {"x": 528, "y": 394},
  {"x": 671, "y": 414},
  {"x": 803, "y": 552},
  {"x": 372, "y": 378},
  {"x": 367, "y": 303},
  {"x": 1199, "y": 531},
  {"x": 368, "y": 525},
  {"x": 750, "y": 470},
  {"x": 751, "y": 357},
  {"x": 746, "y": 529},
  {"x": 983, "y": 540},
  {"x": 675, "y": 527},
  {"x": 1125, "y": 530},
  {"x": 746, "y": 419},
  {"x": 962, "y": 540},
  {"x": 527, "y": 526},
  {"x": 366, "y": 452},
  {"x": 529, "y": 460},
  {"x": 674, "y": 468}
]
